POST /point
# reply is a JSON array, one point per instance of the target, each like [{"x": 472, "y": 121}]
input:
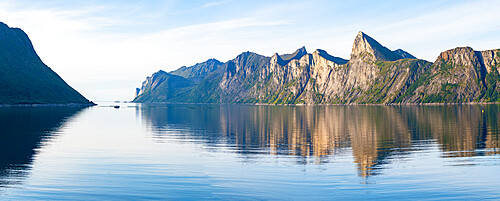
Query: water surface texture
[{"x": 162, "y": 151}]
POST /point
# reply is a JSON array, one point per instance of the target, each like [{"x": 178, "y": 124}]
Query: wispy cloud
[
  {"x": 430, "y": 33},
  {"x": 216, "y": 3},
  {"x": 222, "y": 26}
]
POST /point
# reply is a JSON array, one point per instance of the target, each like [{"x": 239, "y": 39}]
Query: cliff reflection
[
  {"x": 22, "y": 130},
  {"x": 375, "y": 134}
]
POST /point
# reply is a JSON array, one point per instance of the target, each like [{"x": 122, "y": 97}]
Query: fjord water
[{"x": 165, "y": 151}]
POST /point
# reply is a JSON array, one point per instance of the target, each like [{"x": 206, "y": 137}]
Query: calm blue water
[{"x": 204, "y": 152}]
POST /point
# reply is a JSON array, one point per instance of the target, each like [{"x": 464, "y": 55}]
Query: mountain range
[
  {"x": 374, "y": 74},
  {"x": 25, "y": 79}
]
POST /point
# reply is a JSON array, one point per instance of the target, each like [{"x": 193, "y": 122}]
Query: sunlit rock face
[
  {"x": 367, "y": 48},
  {"x": 373, "y": 75},
  {"x": 490, "y": 59}
]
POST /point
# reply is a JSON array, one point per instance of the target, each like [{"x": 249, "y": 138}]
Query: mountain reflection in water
[
  {"x": 374, "y": 134},
  {"x": 23, "y": 131}
]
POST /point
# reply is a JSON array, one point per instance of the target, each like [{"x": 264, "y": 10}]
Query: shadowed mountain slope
[{"x": 24, "y": 78}]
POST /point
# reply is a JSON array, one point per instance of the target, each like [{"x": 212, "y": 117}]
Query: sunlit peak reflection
[{"x": 373, "y": 133}]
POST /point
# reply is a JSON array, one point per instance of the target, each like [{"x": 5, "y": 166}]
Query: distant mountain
[
  {"x": 24, "y": 78},
  {"x": 199, "y": 71},
  {"x": 162, "y": 86},
  {"x": 373, "y": 75},
  {"x": 296, "y": 55}
]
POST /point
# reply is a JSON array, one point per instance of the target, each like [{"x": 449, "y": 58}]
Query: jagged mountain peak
[
  {"x": 198, "y": 71},
  {"x": 209, "y": 61},
  {"x": 246, "y": 54},
  {"x": 319, "y": 51},
  {"x": 160, "y": 72},
  {"x": 277, "y": 59},
  {"x": 365, "y": 47},
  {"x": 374, "y": 74},
  {"x": 458, "y": 50},
  {"x": 299, "y": 53},
  {"x": 324, "y": 54}
]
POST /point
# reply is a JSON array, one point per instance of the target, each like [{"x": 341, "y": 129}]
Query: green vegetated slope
[
  {"x": 24, "y": 78},
  {"x": 373, "y": 75}
]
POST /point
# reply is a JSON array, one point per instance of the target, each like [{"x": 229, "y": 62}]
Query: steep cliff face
[
  {"x": 367, "y": 48},
  {"x": 374, "y": 74},
  {"x": 490, "y": 60},
  {"x": 294, "y": 81},
  {"x": 458, "y": 75},
  {"x": 24, "y": 78}
]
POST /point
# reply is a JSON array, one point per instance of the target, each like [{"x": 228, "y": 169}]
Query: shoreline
[
  {"x": 349, "y": 104},
  {"x": 49, "y": 105}
]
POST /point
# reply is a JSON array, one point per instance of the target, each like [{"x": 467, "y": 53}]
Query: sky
[{"x": 105, "y": 49}]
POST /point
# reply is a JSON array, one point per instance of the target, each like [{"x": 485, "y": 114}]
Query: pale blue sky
[{"x": 105, "y": 49}]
